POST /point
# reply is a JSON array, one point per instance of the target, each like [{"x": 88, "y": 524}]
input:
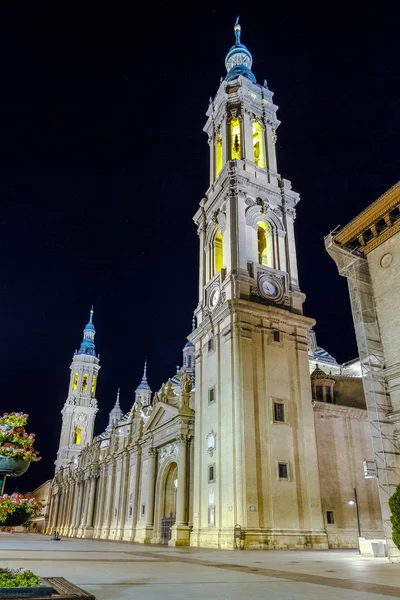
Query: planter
[
  {"x": 13, "y": 467},
  {"x": 42, "y": 589},
  {"x": 19, "y": 517}
]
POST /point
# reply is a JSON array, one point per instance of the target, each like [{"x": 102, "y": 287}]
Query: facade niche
[
  {"x": 235, "y": 139},
  {"x": 218, "y": 156},
  {"x": 264, "y": 244},
  {"x": 258, "y": 145}
]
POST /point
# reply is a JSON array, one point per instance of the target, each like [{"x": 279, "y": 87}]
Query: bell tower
[
  {"x": 80, "y": 408},
  {"x": 253, "y": 392}
]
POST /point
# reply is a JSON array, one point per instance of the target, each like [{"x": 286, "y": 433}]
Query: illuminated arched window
[
  {"x": 75, "y": 382},
  {"x": 93, "y": 384},
  {"x": 218, "y": 156},
  {"x": 258, "y": 145},
  {"x": 84, "y": 382},
  {"x": 235, "y": 139},
  {"x": 218, "y": 252},
  {"x": 264, "y": 244},
  {"x": 78, "y": 436}
]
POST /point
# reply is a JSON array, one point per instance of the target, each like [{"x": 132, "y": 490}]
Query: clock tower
[{"x": 253, "y": 391}]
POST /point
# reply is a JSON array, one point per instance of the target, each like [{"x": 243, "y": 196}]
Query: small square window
[
  {"x": 276, "y": 336},
  {"x": 210, "y": 344},
  {"x": 211, "y": 396},
  {"x": 330, "y": 519},
  {"x": 211, "y": 473},
  {"x": 283, "y": 471},
  {"x": 143, "y": 510},
  {"x": 279, "y": 412}
]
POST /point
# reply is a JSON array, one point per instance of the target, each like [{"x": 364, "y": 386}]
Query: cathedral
[{"x": 260, "y": 439}]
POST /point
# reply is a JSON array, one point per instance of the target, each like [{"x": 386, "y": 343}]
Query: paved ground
[{"x": 121, "y": 571}]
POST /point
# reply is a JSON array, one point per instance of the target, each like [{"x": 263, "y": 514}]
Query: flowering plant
[
  {"x": 9, "y": 504},
  {"x": 14, "y": 442},
  {"x": 17, "y": 578}
]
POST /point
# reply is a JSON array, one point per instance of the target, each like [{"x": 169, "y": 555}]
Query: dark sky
[{"x": 103, "y": 163}]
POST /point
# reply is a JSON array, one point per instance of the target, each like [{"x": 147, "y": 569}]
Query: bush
[
  {"x": 394, "y": 505},
  {"x": 17, "y": 578}
]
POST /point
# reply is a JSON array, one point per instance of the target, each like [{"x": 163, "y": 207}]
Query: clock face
[
  {"x": 269, "y": 288},
  {"x": 214, "y": 298}
]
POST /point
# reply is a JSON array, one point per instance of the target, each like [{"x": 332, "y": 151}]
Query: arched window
[
  {"x": 264, "y": 244},
  {"x": 75, "y": 382},
  {"x": 78, "y": 436},
  {"x": 258, "y": 145},
  {"x": 218, "y": 156},
  {"x": 93, "y": 384},
  {"x": 218, "y": 255},
  {"x": 189, "y": 361},
  {"x": 235, "y": 139},
  {"x": 84, "y": 382}
]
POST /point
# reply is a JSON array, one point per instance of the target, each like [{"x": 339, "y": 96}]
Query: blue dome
[
  {"x": 239, "y": 60},
  {"x": 189, "y": 345}
]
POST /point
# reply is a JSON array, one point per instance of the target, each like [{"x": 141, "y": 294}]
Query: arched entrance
[{"x": 165, "y": 512}]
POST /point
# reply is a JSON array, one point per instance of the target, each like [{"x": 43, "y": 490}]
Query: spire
[
  {"x": 143, "y": 384},
  {"x": 116, "y": 414},
  {"x": 87, "y": 345},
  {"x": 239, "y": 60}
]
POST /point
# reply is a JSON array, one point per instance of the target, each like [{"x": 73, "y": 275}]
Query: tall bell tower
[
  {"x": 255, "y": 456},
  {"x": 80, "y": 408}
]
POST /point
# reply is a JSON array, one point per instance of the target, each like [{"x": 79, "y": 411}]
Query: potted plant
[{"x": 17, "y": 583}]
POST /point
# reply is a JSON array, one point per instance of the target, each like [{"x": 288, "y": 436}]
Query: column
[
  {"x": 82, "y": 521},
  {"x": 151, "y": 482},
  {"x": 181, "y": 530},
  {"x": 88, "y": 528},
  {"x": 56, "y": 501},
  {"x": 123, "y": 496},
  {"x": 77, "y": 519},
  {"x": 100, "y": 503}
]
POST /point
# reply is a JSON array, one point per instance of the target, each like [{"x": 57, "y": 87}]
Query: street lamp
[{"x": 354, "y": 502}]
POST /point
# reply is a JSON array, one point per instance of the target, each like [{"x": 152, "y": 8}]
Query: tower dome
[
  {"x": 87, "y": 345},
  {"x": 239, "y": 60}
]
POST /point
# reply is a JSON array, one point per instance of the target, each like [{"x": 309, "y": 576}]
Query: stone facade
[
  {"x": 367, "y": 253},
  {"x": 249, "y": 446}
]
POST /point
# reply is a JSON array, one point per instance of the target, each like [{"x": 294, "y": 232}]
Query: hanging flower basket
[
  {"x": 13, "y": 467},
  {"x": 16, "y": 446},
  {"x": 17, "y": 510}
]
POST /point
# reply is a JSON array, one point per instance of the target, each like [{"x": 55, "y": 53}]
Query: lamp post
[{"x": 354, "y": 502}]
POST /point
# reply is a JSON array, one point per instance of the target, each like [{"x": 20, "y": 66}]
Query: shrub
[
  {"x": 394, "y": 505},
  {"x": 17, "y": 578}
]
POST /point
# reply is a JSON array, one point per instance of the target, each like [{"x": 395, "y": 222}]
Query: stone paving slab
[{"x": 121, "y": 571}]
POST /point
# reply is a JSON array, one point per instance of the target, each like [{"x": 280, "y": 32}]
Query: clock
[
  {"x": 214, "y": 297},
  {"x": 269, "y": 289}
]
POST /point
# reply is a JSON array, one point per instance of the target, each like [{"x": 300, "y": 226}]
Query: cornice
[
  {"x": 338, "y": 411},
  {"x": 369, "y": 216}
]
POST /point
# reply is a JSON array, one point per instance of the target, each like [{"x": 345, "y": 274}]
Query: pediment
[{"x": 161, "y": 415}]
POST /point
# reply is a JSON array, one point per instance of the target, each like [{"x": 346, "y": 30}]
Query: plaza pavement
[{"x": 122, "y": 571}]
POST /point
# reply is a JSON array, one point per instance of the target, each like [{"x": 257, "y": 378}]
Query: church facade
[{"x": 261, "y": 432}]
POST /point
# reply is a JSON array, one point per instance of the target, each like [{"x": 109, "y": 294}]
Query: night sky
[{"x": 103, "y": 163}]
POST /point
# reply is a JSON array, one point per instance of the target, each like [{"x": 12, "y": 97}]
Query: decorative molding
[{"x": 170, "y": 450}]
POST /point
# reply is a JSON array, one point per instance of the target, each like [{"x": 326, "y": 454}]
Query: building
[
  {"x": 39, "y": 523},
  {"x": 367, "y": 253},
  {"x": 260, "y": 428}
]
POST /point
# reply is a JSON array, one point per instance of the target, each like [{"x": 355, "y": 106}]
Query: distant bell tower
[
  {"x": 255, "y": 450},
  {"x": 80, "y": 407}
]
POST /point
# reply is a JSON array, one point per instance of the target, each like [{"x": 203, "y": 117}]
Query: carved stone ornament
[
  {"x": 211, "y": 442},
  {"x": 186, "y": 383},
  {"x": 81, "y": 418},
  {"x": 170, "y": 450}
]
